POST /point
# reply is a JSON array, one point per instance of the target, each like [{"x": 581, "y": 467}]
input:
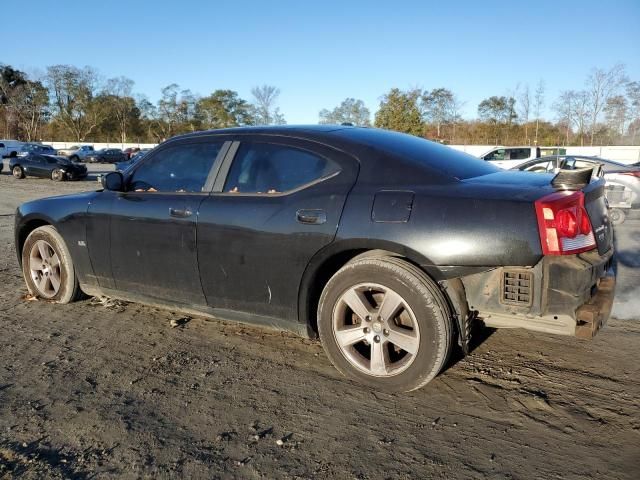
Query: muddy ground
[{"x": 110, "y": 390}]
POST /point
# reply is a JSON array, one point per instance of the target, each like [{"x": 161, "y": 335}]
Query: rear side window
[
  {"x": 181, "y": 168},
  {"x": 269, "y": 168},
  {"x": 519, "y": 153},
  {"x": 544, "y": 166}
]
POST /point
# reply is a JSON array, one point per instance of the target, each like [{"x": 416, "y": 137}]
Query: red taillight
[{"x": 564, "y": 224}]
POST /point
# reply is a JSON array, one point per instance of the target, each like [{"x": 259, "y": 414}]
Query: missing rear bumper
[
  {"x": 594, "y": 314},
  {"x": 568, "y": 295}
]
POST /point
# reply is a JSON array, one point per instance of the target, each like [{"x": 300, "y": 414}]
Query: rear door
[{"x": 276, "y": 202}]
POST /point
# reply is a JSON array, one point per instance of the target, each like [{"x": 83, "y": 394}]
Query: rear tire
[
  {"x": 17, "y": 172},
  {"x": 396, "y": 349},
  {"x": 47, "y": 266}
]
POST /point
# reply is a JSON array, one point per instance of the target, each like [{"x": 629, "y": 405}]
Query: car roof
[{"x": 378, "y": 150}]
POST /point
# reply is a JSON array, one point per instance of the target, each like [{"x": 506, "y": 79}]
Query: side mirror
[{"x": 113, "y": 181}]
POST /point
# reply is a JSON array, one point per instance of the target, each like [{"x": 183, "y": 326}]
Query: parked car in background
[
  {"x": 122, "y": 166},
  {"x": 131, "y": 151},
  {"x": 106, "y": 155},
  {"x": 9, "y": 148},
  {"x": 47, "y": 166},
  {"x": 29, "y": 147},
  {"x": 387, "y": 246},
  {"x": 510, "y": 157},
  {"x": 622, "y": 181},
  {"x": 76, "y": 153}
]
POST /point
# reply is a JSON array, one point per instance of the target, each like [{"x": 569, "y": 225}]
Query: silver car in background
[{"x": 623, "y": 181}]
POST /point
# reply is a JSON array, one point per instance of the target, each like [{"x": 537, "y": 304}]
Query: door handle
[
  {"x": 180, "y": 213},
  {"x": 311, "y": 217}
]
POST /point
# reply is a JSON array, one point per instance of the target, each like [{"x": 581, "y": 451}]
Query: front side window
[
  {"x": 269, "y": 168},
  {"x": 495, "y": 155},
  {"x": 180, "y": 168}
]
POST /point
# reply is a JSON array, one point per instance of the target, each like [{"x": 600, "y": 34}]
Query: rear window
[{"x": 440, "y": 158}]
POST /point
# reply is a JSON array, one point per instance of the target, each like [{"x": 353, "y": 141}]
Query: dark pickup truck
[{"x": 386, "y": 246}]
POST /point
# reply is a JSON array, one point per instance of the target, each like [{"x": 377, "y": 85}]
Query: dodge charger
[{"x": 387, "y": 247}]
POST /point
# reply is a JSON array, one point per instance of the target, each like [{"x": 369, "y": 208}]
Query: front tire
[
  {"x": 47, "y": 266},
  {"x": 385, "y": 323},
  {"x": 17, "y": 172},
  {"x": 57, "y": 175}
]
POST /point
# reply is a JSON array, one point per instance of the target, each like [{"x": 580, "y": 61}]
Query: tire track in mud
[{"x": 118, "y": 392}]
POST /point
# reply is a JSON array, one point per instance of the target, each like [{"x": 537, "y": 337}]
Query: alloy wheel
[
  {"x": 44, "y": 267},
  {"x": 376, "y": 330}
]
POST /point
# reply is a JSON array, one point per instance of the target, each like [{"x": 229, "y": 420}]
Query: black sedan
[
  {"x": 106, "y": 155},
  {"x": 386, "y": 246},
  {"x": 47, "y": 166}
]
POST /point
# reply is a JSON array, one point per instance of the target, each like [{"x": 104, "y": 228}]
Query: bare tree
[
  {"x": 265, "y": 110},
  {"x": 122, "y": 104},
  {"x": 563, "y": 106},
  {"x": 616, "y": 114},
  {"x": 349, "y": 111},
  {"x": 73, "y": 92},
  {"x": 438, "y": 106},
  {"x": 633, "y": 96},
  {"x": 176, "y": 111},
  {"x": 538, "y": 103},
  {"x": 31, "y": 105},
  {"x": 601, "y": 86},
  {"x": 524, "y": 101},
  {"x": 580, "y": 113}
]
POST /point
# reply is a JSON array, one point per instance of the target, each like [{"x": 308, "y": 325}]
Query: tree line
[{"x": 78, "y": 104}]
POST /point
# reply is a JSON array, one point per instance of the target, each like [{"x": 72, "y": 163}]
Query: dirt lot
[{"x": 112, "y": 390}]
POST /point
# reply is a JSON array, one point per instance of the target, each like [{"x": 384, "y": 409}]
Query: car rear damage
[{"x": 570, "y": 290}]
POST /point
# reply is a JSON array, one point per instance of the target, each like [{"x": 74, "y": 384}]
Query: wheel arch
[
  {"x": 333, "y": 257},
  {"x": 24, "y": 228}
]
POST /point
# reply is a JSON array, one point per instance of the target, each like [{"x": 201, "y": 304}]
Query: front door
[
  {"x": 153, "y": 224},
  {"x": 279, "y": 204}
]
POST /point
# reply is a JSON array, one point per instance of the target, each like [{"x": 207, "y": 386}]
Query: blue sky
[{"x": 319, "y": 53}]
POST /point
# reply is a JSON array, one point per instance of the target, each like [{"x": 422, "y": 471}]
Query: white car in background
[{"x": 511, "y": 157}]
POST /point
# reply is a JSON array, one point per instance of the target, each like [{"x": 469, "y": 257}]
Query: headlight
[{"x": 22, "y": 154}]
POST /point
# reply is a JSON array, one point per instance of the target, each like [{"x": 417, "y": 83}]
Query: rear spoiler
[{"x": 576, "y": 179}]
